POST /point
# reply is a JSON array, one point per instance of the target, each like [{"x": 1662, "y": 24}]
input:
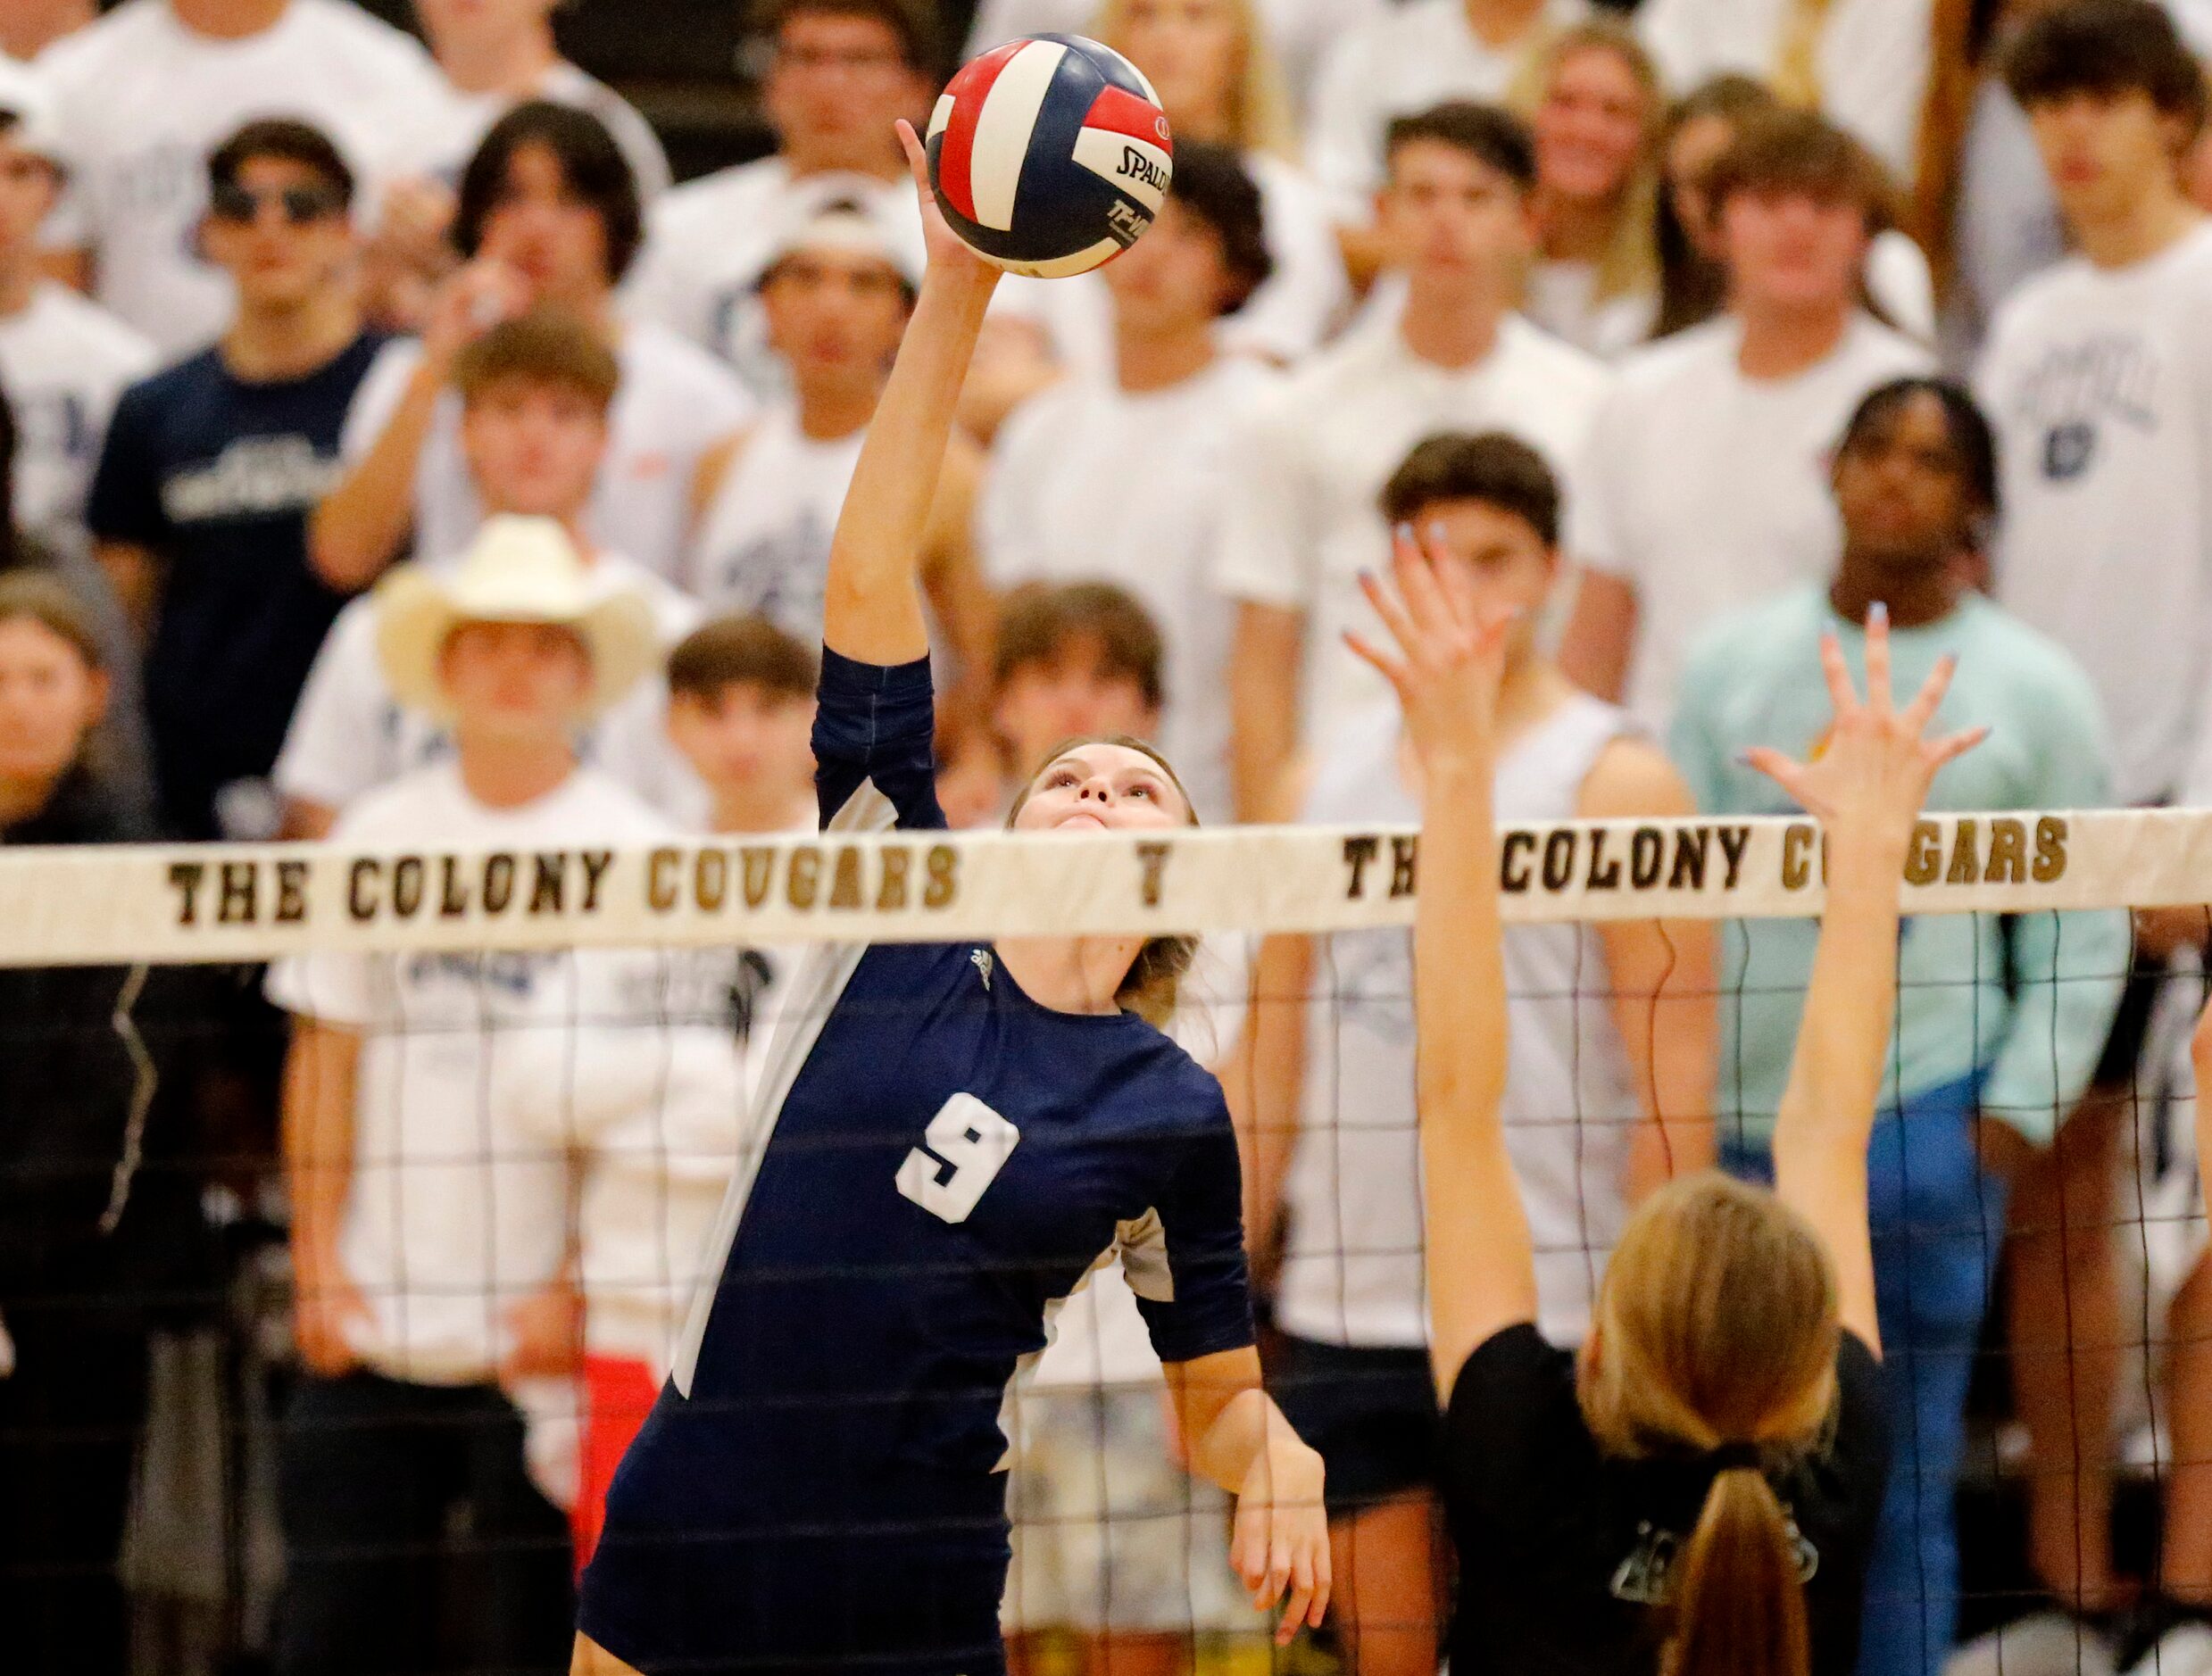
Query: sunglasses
[{"x": 302, "y": 205}]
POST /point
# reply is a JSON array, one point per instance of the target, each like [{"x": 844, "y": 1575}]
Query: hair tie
[{"x": 1742, "y": 1455}]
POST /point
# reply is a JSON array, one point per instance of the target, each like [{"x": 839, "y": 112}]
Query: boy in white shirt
[
  {"x": 1304, "y": 473},
  {"x": 836, "y": 298},
  {"x": 1121, "y": 477},
  {"x": 1608, "y": 1092},
  {"x": 2098, "y": 376},
  {"x": 549, "y": 215},
  {"x": 63, "y": 360},
  {"x": 1708, "y": 472},
  {"x": 839, "y": 73},
  {"x": 144, "y": 94},
  {"x": 535, "y": 395},
  {"x": 431, "y": 1235},
  {"x": 492, "y": 55}
]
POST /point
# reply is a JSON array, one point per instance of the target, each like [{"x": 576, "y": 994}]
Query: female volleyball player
[
  {"x": 951, "y": 1136},
  {"x": 1697, "y": 1492}
]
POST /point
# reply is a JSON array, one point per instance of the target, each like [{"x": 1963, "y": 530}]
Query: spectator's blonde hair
[
  {"x": 1717, "y": 1330},
  {"x": 1259, "y": 105},
  {"x": 1630, "y": 264}
]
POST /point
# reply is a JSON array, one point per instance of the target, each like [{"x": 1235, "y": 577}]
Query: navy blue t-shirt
[
  {"x": 217, "y": 477},
  {"x": 947, "y": 1158}
]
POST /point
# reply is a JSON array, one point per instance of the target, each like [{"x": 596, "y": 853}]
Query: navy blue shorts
[
  {"x": 1370, "y": 1414},
  {"x": 900, "y": 1573}
]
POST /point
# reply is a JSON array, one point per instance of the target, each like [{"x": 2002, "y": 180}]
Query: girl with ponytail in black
[{"x": 1695, "y": 1492}]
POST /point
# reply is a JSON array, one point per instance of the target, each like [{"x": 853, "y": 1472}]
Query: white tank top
[
  {"x": 1351, "y": 1269},
  {"x": 763, "y": 544}
]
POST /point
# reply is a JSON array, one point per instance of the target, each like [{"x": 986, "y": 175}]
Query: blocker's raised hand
[
  {"x": 1871, "y": 775},
  {"x": 1451, "y": 658}
]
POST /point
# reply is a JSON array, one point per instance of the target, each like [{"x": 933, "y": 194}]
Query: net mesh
[{"x": 509, "y": 1133}]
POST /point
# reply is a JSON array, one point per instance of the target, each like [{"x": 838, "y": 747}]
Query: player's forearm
[
  {"x": 1248, "y": 1426},
  {"x": 872, "y": 606},
  {"x": 318, "y": 1137},
  {"x": 1263, "y": 707},
  {"x": 1836, "y": 1076},
  {"x": 361, "y": 525},
  {"x": 1459, "y": 962}
]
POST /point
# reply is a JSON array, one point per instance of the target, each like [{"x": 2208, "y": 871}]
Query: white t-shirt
[
  {"x": 1088, "y": 482},
  {"x": 450, "y": 138},
  {"x": 1562, "y": 297},
  {"x": 1302, "y": 521},
  {"x": 349, "y": 734},
  {"x": 140, "y": 101},
  {"x": 1352, "y": 1254},
  {"x": 2100, "y": 384},
  {"x": 1405, "y": 59},
  {"x": 708, "y": 241},
  {"x": 458, "y": 1206},
  {"x": 1872, "y": 60},
  {"x": 1708, "y": 490},
  {"x": 763, "y": 541},
  {"x": 64, "y": 361},
  {"x": 1308, "y": 295},
  {"x": 675, "y": 402}
]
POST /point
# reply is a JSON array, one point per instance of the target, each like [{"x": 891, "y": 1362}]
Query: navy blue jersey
[
  {"x": 941, "y": 1160},
  {"x": 217, "y": 475}
]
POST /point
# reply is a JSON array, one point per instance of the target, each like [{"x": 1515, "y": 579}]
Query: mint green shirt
[{"x": 1755, "y": 680}]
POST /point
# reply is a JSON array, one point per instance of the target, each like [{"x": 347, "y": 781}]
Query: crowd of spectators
[{"x": 394, "y": 453}]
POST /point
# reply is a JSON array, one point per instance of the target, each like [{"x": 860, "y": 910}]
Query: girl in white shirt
[{"x": 1595, "y": 281}]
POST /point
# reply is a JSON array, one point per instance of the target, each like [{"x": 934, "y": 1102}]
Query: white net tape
[{"x": 208, "y": 902}]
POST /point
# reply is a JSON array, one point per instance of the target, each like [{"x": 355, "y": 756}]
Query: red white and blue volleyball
[{"x": 1049, "y": 155}]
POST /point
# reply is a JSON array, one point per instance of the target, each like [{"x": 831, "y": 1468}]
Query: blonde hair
[
  {"x": 1258, "y": 103},
  {"x": 1153, "y": 984},
  {"x": 1717, "y": 1329},
  {"x": 1630, "y": 264}
]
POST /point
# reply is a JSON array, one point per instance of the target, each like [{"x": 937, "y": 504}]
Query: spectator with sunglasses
[{"x": 199, "y": 506}]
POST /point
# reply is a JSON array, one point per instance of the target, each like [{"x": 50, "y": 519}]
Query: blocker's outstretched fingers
[
  {"x": 1955, "y": 745},
  {"x": 1390, "y": 606},
  {"x": 1842, "y": 694},
  {"x": 1879, "y": 699},
  {"x": 1922, "y": 710},
  {"x": 1388, "y": 667}
]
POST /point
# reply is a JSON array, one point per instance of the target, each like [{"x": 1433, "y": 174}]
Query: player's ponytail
[{"x": 1738, "y": 1595}]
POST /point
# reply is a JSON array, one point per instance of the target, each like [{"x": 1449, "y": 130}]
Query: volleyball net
[{"x": 548, "y": 1058}]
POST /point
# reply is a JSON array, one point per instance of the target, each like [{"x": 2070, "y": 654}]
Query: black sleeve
[
  {"x": 876, "y": 724},
  {"x": 125, "y": 501},
  {"x": 1512, "y": 1412},
  {"x": 1859, "y": 1456}
]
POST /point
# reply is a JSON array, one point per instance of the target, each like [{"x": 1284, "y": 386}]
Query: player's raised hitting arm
[
  {"x": 1866, "y": 788},
  {"x": 872, "y": 606}
]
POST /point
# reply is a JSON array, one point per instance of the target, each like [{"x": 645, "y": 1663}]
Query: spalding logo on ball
[{"x": 1049, "y": 155}]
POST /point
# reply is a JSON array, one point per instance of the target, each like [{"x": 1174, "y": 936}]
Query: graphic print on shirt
[
  {"x": 781, "y": 574},
  {"x": 2076, "y": 389},
  {"x": 1646, "y": 1577},
  {"x": 254, "y": 477}
]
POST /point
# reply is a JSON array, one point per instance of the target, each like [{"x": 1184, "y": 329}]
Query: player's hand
[
  {"x": 546, "y": 1334},
  {"x": 1870, "y": 779},
  {"x": 1280, "y": 1545},
  {"x": 468, "y": 304},
  {"x": 325, "y": 1304},
  {"x": 948, "y": 256},
  {"x": 1450, "y": 659}
]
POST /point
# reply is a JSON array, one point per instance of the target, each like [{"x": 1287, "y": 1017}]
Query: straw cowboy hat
[{"x": 518, "y": 570}]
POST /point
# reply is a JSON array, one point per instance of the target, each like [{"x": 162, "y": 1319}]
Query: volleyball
[{"x": 1049, "y": 155}]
